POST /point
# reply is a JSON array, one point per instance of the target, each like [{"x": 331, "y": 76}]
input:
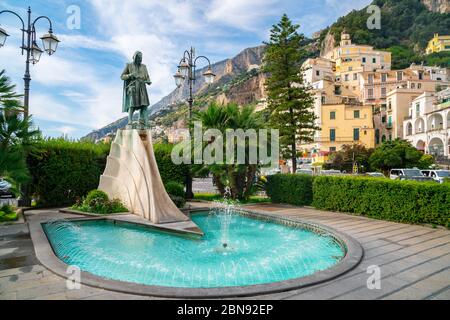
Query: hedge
[
  {"x": 401, "y": 201},
  {"x": 293, "y": 189},
  {"x": 63, "y": 171},
  {"x": 168, "y": 170}
]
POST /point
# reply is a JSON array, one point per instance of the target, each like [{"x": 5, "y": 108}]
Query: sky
[{"x": 78, "y": 89}]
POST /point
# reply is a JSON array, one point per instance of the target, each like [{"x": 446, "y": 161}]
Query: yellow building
[
  {"x": 346, "y": 124},
  {"x": 438, "y": 44}
]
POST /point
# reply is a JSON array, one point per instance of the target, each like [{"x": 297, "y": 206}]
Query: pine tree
[{"x": 290, "y": 100}]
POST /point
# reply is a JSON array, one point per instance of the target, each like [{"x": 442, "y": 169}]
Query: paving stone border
[{"x": 354, "y": 255}]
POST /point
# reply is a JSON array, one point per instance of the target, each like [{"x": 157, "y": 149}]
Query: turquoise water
[{"x": 257, "y": 252}]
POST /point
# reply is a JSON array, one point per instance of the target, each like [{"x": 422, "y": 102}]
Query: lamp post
[
  {"x": 30, "y": 48},
  {"x": 186, "y": 72}
]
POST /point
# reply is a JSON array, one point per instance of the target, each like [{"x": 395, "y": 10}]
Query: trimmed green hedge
[
  {"x": 401, "y": 201},
  {"x": 293, "y": 189},
  {"x": 64, "y": 171},
  {"x": 168, "y": 170}
]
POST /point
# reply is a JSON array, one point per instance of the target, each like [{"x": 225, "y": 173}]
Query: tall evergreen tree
[{"x": 290, "y": 101}]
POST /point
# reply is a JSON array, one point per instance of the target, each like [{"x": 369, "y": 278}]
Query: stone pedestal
[{"x": 132, "y": 176}]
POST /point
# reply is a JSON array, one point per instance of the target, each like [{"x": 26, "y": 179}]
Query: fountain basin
[{"x": 262, "y": 255}]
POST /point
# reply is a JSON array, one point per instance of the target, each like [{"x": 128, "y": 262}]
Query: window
[
  {"x": 350, "y": 68},
  {"x": 384, "y": 77},
  {"x": 399, "y": 76},
  {"x": 377, "y": 136},
  {"x": 332, "y": 135},
  {"x": 356, "y": 134},
  {"x": 317, "y": 73},
  {"x": 347, "y": 77},
  {"x": 370, "y": 93},
  {"x": 390, "y": 122},
  {"x": 383, "y": 119},
  {"x": 370, "y": 79},
  {"x": 356, "y": 114},
  {"x": 383, "y": 92},
  {"x": 332, "y": 149},
  {"x": 355, "y": 76},
  {"x": 374, "y": 60},
  {"x": 419, "y": 86},
  {"x": 332, "y": 115},
  {"x": 364, "y": 59},
  {"x": 418, "y": 109},
  {"x": 420, "y": 75},
  {"x": 390, "y": 137},
  {"x": 413, "y": 85},
  {"x": 323, "y": 99},
  {"x": 383, "y": 138}
]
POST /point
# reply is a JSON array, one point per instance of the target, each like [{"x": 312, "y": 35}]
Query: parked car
[
  {"x": 375, "y": 175},
  {"x": 408, "y": 174},
  {"x": 5, "y": 189},
  {"x": 305, "y": 171},
  {"x": 437, "y": 175}
]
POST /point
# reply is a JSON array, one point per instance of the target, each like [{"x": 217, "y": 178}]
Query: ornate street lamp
[
  {"x": 186, "y": 71},
  {"x": 31, "y": 48}
]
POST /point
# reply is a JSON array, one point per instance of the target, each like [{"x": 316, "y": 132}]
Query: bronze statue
[{"x": 135, "y": 96}]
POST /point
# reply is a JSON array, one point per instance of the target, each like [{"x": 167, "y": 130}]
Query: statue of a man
[{"x": 135, "y": 96}]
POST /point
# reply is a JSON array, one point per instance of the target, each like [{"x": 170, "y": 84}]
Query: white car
[
  {"x": 408, "y": 174},
  {"x": 437, "y": 175},
  {"x": 331, "y": 173}
]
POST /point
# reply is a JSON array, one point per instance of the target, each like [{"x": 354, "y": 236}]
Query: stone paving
[{"x": 414, "y": 262}]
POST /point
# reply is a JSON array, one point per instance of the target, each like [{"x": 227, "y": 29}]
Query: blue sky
[{"x": 78, "y": 89}]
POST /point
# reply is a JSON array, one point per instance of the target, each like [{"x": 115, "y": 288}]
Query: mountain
[
  {"x": 407, "y": 23},
  {"x": 232, "y": 75},
  {"x": 441, "y": 6}
]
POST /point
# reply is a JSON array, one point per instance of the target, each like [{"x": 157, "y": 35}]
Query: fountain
[{"x": 224, "y": 211}]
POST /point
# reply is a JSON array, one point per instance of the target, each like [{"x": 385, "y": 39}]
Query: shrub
[
  {"x": 63, "y": 171},
  {"x": 7, "y": 214},
  {"x": 96, "y": 197},
  {"x": 176, "y": 193},
  {"x": 98, "y": 202},
  {"x": 175, "y": 189},
  {"x": 293, "y": 189},
  {"x": 168, "y": 170},
  {"x": 400, "y": 201}
]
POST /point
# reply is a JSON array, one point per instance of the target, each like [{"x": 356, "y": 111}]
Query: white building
[{"x": 428, "y": 124}]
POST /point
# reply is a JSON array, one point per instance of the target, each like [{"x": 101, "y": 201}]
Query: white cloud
[{"x": 247, "y": 15}]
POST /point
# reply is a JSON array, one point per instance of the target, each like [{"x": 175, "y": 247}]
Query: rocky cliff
[{"x": 441, "y": 6}]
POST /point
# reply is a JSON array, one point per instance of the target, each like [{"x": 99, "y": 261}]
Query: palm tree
[
  {"x": 238, "y": 178},
  {"x": 16, "y": 137}
]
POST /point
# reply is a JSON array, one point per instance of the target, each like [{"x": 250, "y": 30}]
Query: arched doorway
[
  {"x": 420, "y": 146},
  {"x": 409, "y": 129},
  {"x": 419, "y": 126},
  {"x": 435, "y": 122},
  {"x": 436, "y": 147}
]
